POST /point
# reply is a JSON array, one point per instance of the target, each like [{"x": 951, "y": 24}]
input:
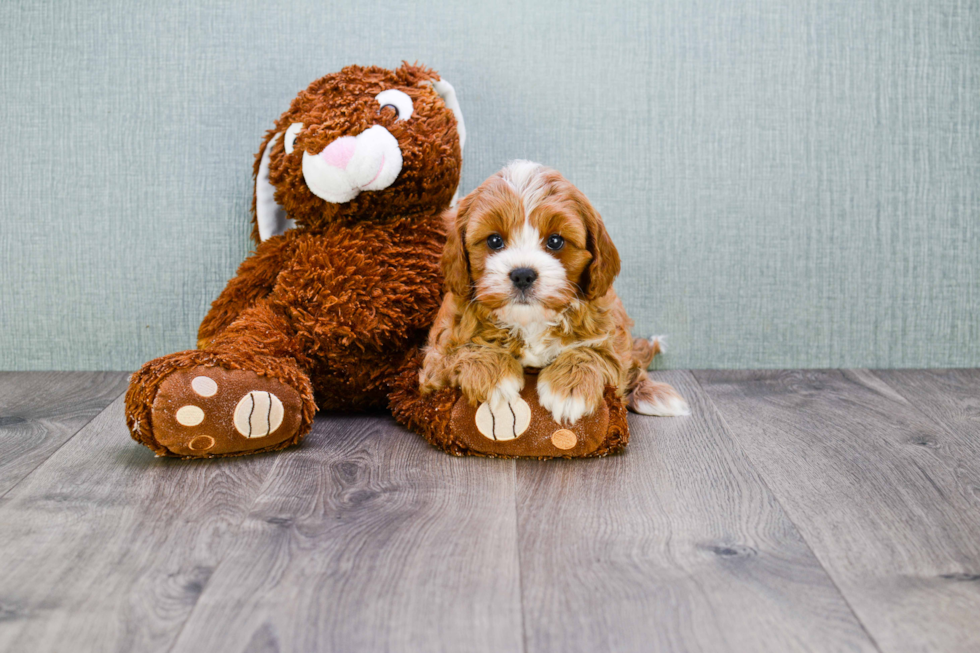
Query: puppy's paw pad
[{"x": 503, "y": 420}]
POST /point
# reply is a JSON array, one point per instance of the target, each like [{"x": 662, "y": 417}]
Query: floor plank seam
[
  {"x": 789, "y": 516},
  {"x": 59, "y": 447},
  {"x": 520, "y": 564},
  {"x": 224, "y": 557},
  {"x": 914, "y": 406}
]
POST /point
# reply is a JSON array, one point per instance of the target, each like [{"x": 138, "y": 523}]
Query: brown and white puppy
[{"x": 529, "y": 269}]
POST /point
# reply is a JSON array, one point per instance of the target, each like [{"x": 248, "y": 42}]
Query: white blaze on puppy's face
[
  {"x": 512, "y": 227},
  {"x": 524, "y": 249}
]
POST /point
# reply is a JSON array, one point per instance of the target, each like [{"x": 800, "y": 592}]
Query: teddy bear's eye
[
  {"x": 398, "y": 100},
  {"x": 290, "y": 140}
]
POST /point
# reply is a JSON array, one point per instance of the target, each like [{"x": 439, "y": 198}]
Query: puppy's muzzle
[{"x": 523, "y": 278}]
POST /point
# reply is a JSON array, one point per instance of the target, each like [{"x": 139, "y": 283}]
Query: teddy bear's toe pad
[{"x": 211, "y": 411}]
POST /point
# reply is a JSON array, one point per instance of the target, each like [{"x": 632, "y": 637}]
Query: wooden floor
[{"x": 794, "y": 511}]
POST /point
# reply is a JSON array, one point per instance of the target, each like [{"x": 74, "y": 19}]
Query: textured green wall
[{"x": 790, "y": 183}]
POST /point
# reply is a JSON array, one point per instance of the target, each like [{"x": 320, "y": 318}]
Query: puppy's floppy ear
[
  {"x": 604, "y": 267},
  {"x": 455, "y": 259}
]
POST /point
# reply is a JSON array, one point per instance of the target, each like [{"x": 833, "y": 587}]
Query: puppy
[{"x": 529, "y": 269}]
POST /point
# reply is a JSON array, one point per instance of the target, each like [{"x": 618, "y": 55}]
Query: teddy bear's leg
[
  {"x": 519, "y": 428},
  {"x": 254, "y": 281},
  {"x": 247, "y": 392}
]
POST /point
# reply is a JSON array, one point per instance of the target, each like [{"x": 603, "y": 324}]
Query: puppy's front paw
[
  {"x": 483, "y": 374},
  {"x": 481, "y": 388},
  {"x": 506, "y": 391},
  {"x": 567, "y": 404},
  {"x": 430, "y": 381}
]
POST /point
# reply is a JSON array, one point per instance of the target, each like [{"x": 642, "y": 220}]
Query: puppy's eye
[
  {"x": 289, "y": 141},
  {"x": 555, "y": 242},
  {"x": 397, "y": 100},
  {"x": 495, "y": 242}
]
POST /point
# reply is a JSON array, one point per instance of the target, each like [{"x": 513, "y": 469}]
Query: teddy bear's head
[{"x": 363, "y": 144}]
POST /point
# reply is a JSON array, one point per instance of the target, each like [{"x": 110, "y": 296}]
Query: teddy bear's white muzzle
[{"x": 369, "y": 161}]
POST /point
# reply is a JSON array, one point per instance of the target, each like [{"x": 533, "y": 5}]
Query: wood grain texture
[
  {"x": 886, "y": 498},
  {"x": 40, "y": 411},
  {"x": 810, "y": 507},
  {"x": 677, "y": 545},
  {"x": 106, "y": 548},
  {"x": 951, "y": 398},
  {"x": 368, "y": 539}
]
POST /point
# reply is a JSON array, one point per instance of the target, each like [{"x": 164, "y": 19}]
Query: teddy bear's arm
[{"x": 254, "y": 280}]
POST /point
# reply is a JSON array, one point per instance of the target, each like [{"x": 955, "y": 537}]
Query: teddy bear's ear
[
  {"x": 448, "y": 95},
  {"x": 270, "y": 218}
]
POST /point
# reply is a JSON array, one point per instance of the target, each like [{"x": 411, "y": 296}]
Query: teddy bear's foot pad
[
  {"x": 210, "y": 411},
  {"x": 523, "y": 428}
]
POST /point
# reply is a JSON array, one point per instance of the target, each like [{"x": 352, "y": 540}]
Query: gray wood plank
[
  {"x": 40, "y": 411},
  {"x": 106, "y": 548},
  {"x": 677, "y": 545},
  {"x": 894, "y": 518},
  {"x": 368, "y": 539},
  {"x": 951, "y": 398}
]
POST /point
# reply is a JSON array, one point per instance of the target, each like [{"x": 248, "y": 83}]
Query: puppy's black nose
[{"x": 523, "y": 277}]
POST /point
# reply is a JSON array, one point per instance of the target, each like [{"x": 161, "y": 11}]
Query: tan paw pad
[
  {"x": 201, "y": 443},
  {"x": 504, "y": 422},
  {"x": 204, "y": 386},
  {"x": 189, "y": 416},
  {"x": 564, "y": 439},
  {"x": 258, "y": 414}
]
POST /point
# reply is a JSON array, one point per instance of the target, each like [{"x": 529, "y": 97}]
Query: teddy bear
[{"x": 344, "y": 282}]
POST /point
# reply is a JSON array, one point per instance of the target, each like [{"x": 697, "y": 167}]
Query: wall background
[{"x": 791, "y": 184}]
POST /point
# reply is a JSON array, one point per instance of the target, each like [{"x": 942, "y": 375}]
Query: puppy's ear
[
  {"x": 455, "y": 259},
  {"x": 604, "y": 267}
]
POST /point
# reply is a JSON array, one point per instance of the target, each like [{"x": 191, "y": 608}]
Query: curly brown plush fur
[{"x": 325, "y": 313}]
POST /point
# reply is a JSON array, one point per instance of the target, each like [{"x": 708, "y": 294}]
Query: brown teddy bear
[{"x": 344, "y": 283}]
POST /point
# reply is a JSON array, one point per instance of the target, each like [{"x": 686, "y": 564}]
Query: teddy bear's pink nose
[{"x": 339, "y": 153}]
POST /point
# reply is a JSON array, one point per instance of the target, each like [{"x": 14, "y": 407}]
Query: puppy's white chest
[
  {"x": 534, "y": 327},
  {"x": 540, "y": 348}
]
